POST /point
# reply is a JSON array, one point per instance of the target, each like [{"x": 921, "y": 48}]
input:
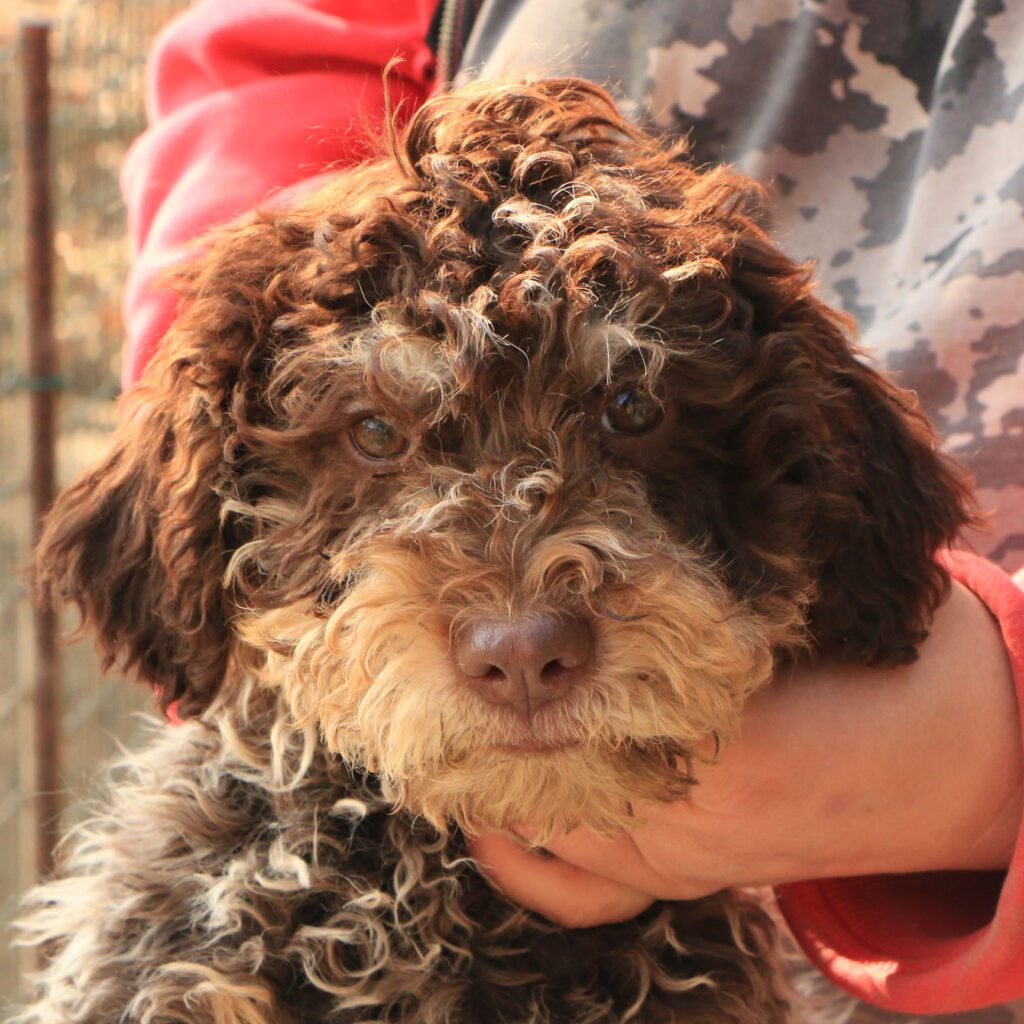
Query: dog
[{"x": 477, "y": 488}]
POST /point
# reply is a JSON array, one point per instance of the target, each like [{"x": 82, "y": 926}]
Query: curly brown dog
[{"x": 475, "y": 489}]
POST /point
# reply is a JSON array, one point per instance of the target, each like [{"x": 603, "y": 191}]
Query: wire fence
[{"x": 97, "y": 53}]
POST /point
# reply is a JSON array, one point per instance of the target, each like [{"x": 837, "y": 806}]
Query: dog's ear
[
  {"x": 878, "y": 497},
  {"x": 137, "y": 542}
]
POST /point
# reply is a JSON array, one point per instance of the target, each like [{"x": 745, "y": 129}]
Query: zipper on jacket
[{"x": 446, "y": 56}]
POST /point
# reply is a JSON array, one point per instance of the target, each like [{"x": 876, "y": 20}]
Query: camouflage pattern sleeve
[{"x": 892, "y": 135}]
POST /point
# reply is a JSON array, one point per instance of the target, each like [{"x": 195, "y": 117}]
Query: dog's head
[{"x": 516, "y": 459}]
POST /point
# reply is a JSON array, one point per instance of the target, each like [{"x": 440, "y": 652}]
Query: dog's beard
[{"x": 675, "y": 658}]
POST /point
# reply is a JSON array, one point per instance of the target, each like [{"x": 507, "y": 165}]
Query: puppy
[{"x": 474, "y": 489}]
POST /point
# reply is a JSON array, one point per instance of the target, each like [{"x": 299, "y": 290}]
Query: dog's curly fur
[{"x": 521, "y": 257}]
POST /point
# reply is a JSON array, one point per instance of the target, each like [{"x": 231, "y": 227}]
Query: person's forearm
[
  {"x": 925, "y": 759},
  {"x": 938, "y": 942}
]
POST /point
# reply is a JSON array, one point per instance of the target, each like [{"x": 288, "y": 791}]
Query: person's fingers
[
  {"x": 612, "y": 857},
  {"x": 619, "y": 857},
  {"x": 567, "y": 894}
]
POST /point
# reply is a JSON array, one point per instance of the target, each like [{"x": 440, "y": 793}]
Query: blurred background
[{"x": 96, "y": 54}]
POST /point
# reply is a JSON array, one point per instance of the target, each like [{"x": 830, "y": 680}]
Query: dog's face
[{"x": 516, "y": 460}]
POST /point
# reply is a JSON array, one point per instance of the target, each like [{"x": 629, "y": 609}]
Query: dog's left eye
[
  {"x": 378, "y": 439},
  {"x": 632, "y": 412}
]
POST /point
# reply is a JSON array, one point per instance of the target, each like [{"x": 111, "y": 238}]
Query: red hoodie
[{"x": 248, "y": 97}]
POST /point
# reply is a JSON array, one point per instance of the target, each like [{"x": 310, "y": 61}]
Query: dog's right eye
[
  {"x": 377, "y": 439},
  {"x": 632, "y": 412}
]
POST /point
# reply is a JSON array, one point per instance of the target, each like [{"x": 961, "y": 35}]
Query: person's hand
[{"x": 839, "y": 770}]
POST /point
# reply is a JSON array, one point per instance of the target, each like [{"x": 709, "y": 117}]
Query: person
[{"x": 892, "y": 136}]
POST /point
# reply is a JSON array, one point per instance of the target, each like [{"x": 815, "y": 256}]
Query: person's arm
[
  {"x": 845, "y": 773},
  {"x": 247, "y": 97},
  {"x": 943, "y": 942}
]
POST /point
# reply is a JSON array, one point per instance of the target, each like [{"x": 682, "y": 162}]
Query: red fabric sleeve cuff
[{"x": 942, "y": 942}]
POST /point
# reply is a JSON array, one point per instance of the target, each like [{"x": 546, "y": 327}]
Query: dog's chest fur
[{"x": 211, "y": 892}]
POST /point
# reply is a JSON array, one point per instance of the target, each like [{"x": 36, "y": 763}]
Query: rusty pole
[{"x": 43, "y": 386}]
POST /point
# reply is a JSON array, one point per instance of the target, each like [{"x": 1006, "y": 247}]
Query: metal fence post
[{"x": 42, "y": 375}]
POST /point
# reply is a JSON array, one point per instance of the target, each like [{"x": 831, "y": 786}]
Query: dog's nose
[{"x": 524, "y": 662}]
